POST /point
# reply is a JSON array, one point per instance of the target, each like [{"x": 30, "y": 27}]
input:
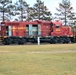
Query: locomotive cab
[
  {"x": 56, "y": 28},
  {"x": 62, "y": 33}
]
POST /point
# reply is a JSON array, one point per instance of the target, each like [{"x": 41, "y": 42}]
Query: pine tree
[
  {"x": 30, "y": 12},
  {"x": 21, "y": 10},
  {"x": 40, "y": 11},
  {"x": 65, "y": 11},
  {"x": 5, "y": 9}
]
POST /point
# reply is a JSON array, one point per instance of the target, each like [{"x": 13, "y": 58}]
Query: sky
[{"x": 51, "y": 4}]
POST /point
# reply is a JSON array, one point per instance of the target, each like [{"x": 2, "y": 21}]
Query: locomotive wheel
[
  {"x": 21, "y": 41},
  {"x": 7, "y": 41}
]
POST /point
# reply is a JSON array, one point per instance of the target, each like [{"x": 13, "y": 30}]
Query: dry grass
[{"x": 20, "y": 60}]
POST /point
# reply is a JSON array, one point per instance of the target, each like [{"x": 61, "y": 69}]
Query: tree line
[{"x": 21, "y": 11}]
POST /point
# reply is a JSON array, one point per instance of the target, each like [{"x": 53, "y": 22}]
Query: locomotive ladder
[{"x": 1, "y": 39}]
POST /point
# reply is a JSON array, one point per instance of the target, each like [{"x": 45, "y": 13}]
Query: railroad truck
[{"x": 29, "y": 31}]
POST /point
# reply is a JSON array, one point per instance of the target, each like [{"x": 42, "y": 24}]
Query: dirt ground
[{"x": 43, "y": 52}]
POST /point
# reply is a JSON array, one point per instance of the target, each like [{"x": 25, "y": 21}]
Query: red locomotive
[{"x": 22, "y": 32}]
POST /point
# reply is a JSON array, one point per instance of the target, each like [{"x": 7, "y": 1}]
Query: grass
[{"x": 19, "y": 60}]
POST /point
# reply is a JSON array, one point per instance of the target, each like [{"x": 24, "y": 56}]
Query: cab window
[{"x": 57, "y": 26}]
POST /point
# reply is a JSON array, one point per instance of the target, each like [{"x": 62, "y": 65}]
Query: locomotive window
[
  {"x": 27, "y": 29},
  {"x": 7, "y": 30},
  {"x": 35, "y": 30},
  {"x": 57, "y": 26}
]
